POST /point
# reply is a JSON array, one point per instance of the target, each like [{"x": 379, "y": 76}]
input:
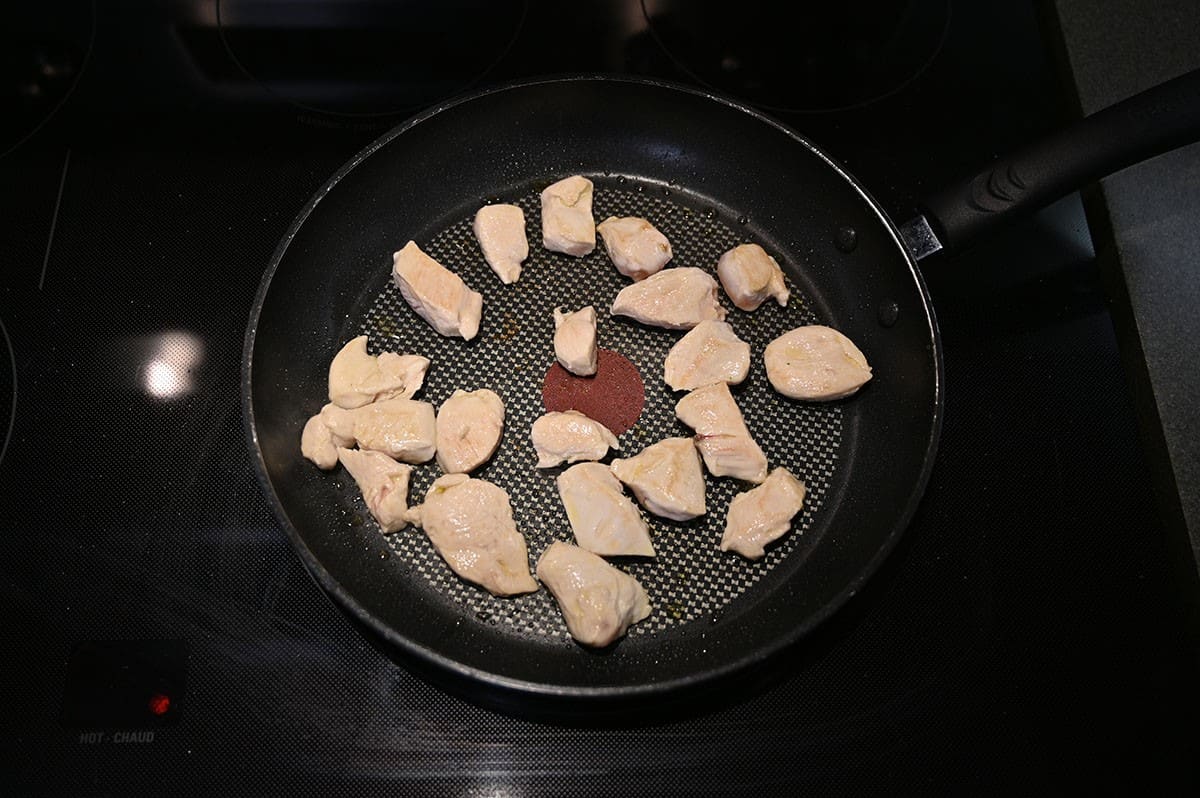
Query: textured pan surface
[
  {"x": 710, "y": 174},
  {"x": 690, "y": 578}
]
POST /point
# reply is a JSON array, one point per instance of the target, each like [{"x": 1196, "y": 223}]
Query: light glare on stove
[{"x": 169, "y": 372}]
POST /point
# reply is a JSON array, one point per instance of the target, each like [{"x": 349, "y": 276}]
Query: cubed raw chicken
[
  {"x": 500, "y": 230},
  {"x": 816, "y": 363},
  {"x": 469, "y": 427},
  {"x": 678, "y": 299},
  {"x": 437, "y": 294},
  {"x": 319, "y": 444},
  {"x": 666, "y": 478},
  {"x": 470, "y": 523},
  {"x": 762, "y": 514},
  {"x": 568, "y": 437},
  {"x": 721, "y": 434},
  {"x": 635, "y": 246},
  {"x": 403, "y": 429},
  {"x": 598, "y": 601},
  {"x": 605, "y": 521},
  {"x": 384, "y": 485},
  {"x": 357, "y": 378},
  {"x": 567, "y": 223},
  {"x": 749, "y": 275},
  {"x": 710, "y": 352},
  {"x": 575, "y": 340}
]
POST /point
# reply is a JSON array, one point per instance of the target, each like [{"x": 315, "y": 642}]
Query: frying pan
[{"x": 710, "y": 173}]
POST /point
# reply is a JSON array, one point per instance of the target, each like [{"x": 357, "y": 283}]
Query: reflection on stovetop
[
  {"x": 1022, "y": 636},
  {"x": 801, "y": 57}
]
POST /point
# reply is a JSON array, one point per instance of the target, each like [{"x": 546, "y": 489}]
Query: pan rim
[{"x": 584, "y": 693}]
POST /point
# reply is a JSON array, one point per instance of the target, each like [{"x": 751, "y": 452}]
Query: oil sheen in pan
[{"x": 690, "y": 580}]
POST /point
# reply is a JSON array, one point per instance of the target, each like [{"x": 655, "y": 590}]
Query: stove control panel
[{"x": 122, "y": 690}]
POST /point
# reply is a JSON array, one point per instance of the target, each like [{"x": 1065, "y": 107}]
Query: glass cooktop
[{"x": 162, "y": 636}]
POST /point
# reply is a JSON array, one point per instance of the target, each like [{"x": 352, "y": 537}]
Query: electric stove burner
[
  {"x": 802, "y": 57},
  {"x": 46, "y": 48},
  {"x": 369, "y": 60}
]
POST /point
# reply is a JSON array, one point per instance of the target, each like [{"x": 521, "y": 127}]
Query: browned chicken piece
[
  {"x": 319, "y": 444},
  {"x": 605, "y": 521},
  {"x": 567, "y": 223},
  {"x": 469, "y": 427},
  {"x": 762, "y": 514},
  {"x": 403, "y": 429},
  {"x": 437, "y": 294},
  {"x": 749, "y": 276},
  {"x": 357, "y": 378},
  {"x": 383, "y": 483},
  {"x": 568, "y": 437},
  {"x": 598, "y": 601},
  {"x": 721, "y": 434},
  {"x": 677, "y": 298},
  {"x": 470, "y": 523},
  {"x": 635, "y": 246},
  {"x": 710, "y": 352},
  {"x": 575, "y": 340},
  {"x": 500, "y": 231},
  {"x": 666, "y": 478},
  {"x": 816, "y": 363}
]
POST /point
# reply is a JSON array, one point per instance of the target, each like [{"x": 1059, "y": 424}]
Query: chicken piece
[
  {"x": 319, "y": 444},
  {"x": 568, "y": 437},
  {"x": 598, "y": 601},
  {"x": 437, "y": 294},
  {"x": 816, "y": 363},
  {"x": 749, "y": 275},
  {"x": 763, "y": 514},
  {"x": 635, "y": 246},
  {"x": 470, "y": 523},
  {"x": 721, "y": 434},
  {"x": 384, "y": 485},
  {"x": 677, "y": 299},
  {"x": 500, "y": 231},
  {"x": 469, "y": 426},
  {"x": 567, "y": 223},
  {"x": 605, "y": 521},
  {"x": 357, "y": 379},
  {"x": 710, "y": 352},
  {"x": 666, "y": 478},
  {"x": 403, "y": 429},
  {"x": 575, "y": 340}
]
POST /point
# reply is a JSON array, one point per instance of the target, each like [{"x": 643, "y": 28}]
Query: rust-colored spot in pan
[{"x": 614, "y": 395}]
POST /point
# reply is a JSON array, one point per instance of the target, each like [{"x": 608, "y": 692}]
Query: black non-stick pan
[{"x": 710, "y": 173}]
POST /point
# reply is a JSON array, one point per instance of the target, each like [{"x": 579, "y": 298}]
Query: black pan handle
[{"x": 1140, "y": 127}]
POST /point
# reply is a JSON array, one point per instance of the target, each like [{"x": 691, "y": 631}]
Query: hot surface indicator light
[{"x": 160, "y": 703}]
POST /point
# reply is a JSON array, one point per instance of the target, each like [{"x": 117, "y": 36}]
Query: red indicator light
[{"x": 159, "y": 703}]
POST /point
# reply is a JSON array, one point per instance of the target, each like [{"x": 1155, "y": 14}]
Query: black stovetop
[{"x": 1027, "y": 634}]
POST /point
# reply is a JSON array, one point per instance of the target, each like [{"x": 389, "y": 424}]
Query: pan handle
[{"x": 1135, "y": 129}]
